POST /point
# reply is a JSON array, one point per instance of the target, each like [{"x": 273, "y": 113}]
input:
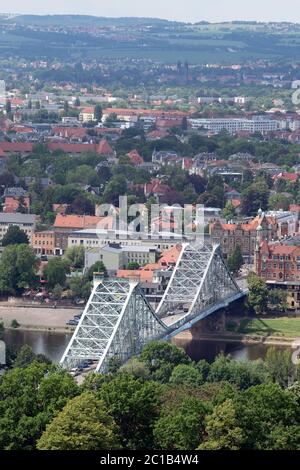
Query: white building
[
  {"x": 25, "y": 222},
  {"x": 234, "y": 125},
  {"x": 98, "y": 238},
  {"x": 87, "y": 114},
  {"x": 116, "y": 256}
]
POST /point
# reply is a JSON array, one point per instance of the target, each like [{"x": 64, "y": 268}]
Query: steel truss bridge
[{"x": 118, "y": 321}]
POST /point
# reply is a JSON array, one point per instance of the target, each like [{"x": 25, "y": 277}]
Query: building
[
  {"x": 87, "y": 114},
  {"x": 25, "y": 222},
  {"x": 12, "y": 204},
  {"x": 115, "y": 256},
  {"x": 72, "y": 222},
  {"x": 43, "y": 243},
  {"x": 244, "y": 235},
  {"x": 66, "y": 224},
  {"x": 234, "y": 125},
  {"x": 154, "y": 277},
  {"x": 278, "y": 264},
  {"x": 97, "y": 238}
]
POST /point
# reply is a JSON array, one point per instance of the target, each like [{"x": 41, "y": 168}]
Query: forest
[{"x": 159, "y": 400}]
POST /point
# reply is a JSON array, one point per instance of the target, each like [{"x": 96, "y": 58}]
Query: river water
[{"x": 53, "y": 344}]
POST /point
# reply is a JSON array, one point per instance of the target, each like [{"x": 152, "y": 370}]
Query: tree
[
  {"x": 30, "y": 397},
  {"x": 80, "y": 287},
  {"x": 255, "y": 197},
  {"x": 55, "y": 272},
  {"x": 279, "y": 201},
  {"x": 98, "y": 113},
  {"x": 83, "y": 174},
  {"x": 57, "y": 292},
  {"x": 116, "y": 187},
  {"x": 269, "y": 417},
  {"x": 81, "y": 205},
  {"x": 223, "y": 431},
  {"x": 235, "y": 260},
  {"x": 26, "y": 356},
  {"x": 161, "y": 358},
  {"x": 136, "y": 368},
  {"x": 258, "y": 294},
  {"x": 229, "y": 211},
  {"x": 66, "y": 107},
  {"x": 14, "y": 236},
  {"x": 98, "y": 267},
  {"x": 8, "y": 108},
  {"x": 183, "y": 427},
  {"x": 18, "y": 266},
  {"x": 279, "y": 366},
  {"x": 22, "y": 208},
  {"x": 77, "y": 102},
  {"x": 277, "y": 299},
  {"x": 134, "y": 405},
  {"x": 132, "y": 266},
  {"x": 75, "y": 256},
  {"x": 243, "y": 374},
  {"x": 186, "y": 374},
  {"x": 83, "y": 424}
]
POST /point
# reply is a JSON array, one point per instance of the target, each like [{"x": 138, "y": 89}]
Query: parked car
[{"x": 72, "y": 323}]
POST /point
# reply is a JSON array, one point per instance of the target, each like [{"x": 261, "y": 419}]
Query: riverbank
[
  {"x": 229, "y": 337},
  {"x": 38, "y": 318}
]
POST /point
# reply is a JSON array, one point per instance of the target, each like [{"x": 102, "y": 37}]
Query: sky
[{"x": 182, "y": 10}]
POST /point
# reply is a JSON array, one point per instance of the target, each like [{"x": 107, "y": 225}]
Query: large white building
[
  {"x": 97, "y": 238},
  {"x": 25, "y": 222},
  {"x": 115, "y": 257},
  {"x": 234, "y": 125}
]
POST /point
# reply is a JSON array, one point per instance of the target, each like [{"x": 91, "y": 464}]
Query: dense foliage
[{"x": 167, "y": 402}]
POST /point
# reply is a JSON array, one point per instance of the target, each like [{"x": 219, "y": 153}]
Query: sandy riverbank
[
  {"x": 242, "y": 339},
  {"x": 38, "y": 318}
]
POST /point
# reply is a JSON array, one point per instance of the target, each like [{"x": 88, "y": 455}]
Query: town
[{"x": 149, "y": 234}]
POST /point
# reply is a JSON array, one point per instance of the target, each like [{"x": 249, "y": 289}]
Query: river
[{"x": 53, "y": 344}]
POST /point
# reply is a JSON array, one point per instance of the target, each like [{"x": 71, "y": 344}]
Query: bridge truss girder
[{"x": 118, "y": 321}]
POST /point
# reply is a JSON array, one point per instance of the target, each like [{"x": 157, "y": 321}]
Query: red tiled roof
[
  {"x": 156, "y": 187},
  {"x": 104, "y": 148},
  {"x": 11, "y": 204},
  {"x": 142, "y": 275},
  {"x": 135, "y": 157},
  {"x": 281, "y": 250},
  {"x": 76, "y": 221},
  {"x": 250, "y": 226},
  {"x": 72, "y": 148},
  {"x": 22, "y": 129},
  {"x": 170, "y": 256},
  {"x": 16, "y": 147},
  {"x": 236, "y": 202},
  {"x": 293, "y": 177},
  {"x": 88, "y": 110},
  {"x": 69, "y": 132}
]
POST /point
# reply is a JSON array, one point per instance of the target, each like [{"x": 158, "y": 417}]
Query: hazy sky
[{"x": 188, "y": 10}]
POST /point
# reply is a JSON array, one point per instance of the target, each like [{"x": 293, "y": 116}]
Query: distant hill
[
  {"x": 83, "y": 37},
  {"x": 70, "y": 20}
]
